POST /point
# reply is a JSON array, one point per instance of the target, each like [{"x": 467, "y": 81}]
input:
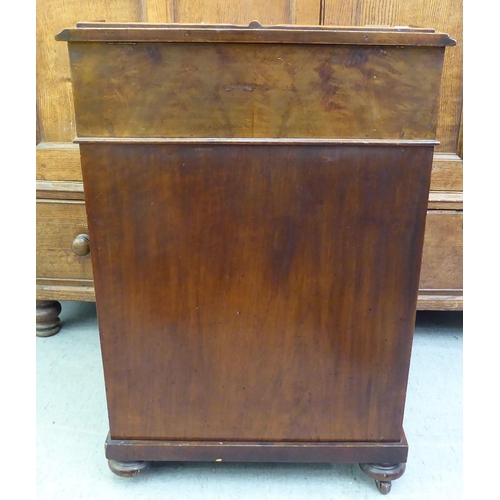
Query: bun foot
[
  {"x": 383, "y": 474},
  {"x": 47, "y": 317},
  {"x": 127, "y": 469}
]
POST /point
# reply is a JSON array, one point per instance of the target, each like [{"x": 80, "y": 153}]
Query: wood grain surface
[
  {"x": 58, "y": 162},
  {"x": 216, "y": 451},
  {"x": 254, "y": 33},
  {"x": 447, "y": 173},
  {"x": 217, "y": 11},
  {"x": 278, "y": 278},
  {"x": 442, "y": 15},
  {"x": 238, "y": 90},
  {"x": 442, "y": 260},
  {"x": 277, "y": 12},
  {"x": 442, "y": 252},
  {"x": 53, "y": 79},
  {"x": 58, "y": 223}
]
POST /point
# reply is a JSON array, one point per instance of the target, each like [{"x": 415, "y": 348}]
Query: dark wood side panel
[
  {"x": 213, "y": 255},
  {"x": 233, "y": 90}
]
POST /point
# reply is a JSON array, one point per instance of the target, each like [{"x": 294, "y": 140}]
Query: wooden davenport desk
[{"x": 256, "y": 201}]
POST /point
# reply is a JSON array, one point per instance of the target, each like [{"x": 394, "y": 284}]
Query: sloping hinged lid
[{"x": 254, "y": 33}]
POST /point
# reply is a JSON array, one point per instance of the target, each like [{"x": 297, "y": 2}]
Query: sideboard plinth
[{"x": 254, "y": 451}]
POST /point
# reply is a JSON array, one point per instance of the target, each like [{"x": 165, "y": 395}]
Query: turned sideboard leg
[
  {"x": 383, "y": 474},
  {"x": 47, "y": 317},
  {"x": 127, "y": 469}
]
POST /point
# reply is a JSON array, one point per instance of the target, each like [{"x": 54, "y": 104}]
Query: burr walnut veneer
[{"x": 256, "y": 201}]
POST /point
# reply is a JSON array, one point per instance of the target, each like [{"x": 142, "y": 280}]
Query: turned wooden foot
[
  {"x": 383, "y": 474},
  {"x": 127, "y": 469},
  {"x": 47, "y": 317}
]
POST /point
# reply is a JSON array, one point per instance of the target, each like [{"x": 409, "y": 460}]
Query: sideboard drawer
[
  {"x": 62, "y": 252},
  {"x": 443, "y": 254}
]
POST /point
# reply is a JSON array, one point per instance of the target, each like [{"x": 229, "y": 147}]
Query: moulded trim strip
[{"x": 256, "y": 141}]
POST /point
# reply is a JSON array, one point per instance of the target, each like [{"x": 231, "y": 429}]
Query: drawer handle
[{"x": 81, "y": 245}]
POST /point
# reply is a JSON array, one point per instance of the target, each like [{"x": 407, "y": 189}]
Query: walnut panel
[
  {"x": 268, "y": 90},
  {"x": 274, "y": 254}
]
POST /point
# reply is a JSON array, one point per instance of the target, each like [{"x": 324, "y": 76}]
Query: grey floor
[{"x": 71, "y": 426}]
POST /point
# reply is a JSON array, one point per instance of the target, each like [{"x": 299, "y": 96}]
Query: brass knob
[{"x": 81, "y": 245}]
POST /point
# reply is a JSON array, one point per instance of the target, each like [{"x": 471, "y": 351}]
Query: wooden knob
[{"x": 81, "y": 245}]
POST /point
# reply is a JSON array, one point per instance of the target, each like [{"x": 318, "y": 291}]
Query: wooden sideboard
[{"x": 64, "y": 271}]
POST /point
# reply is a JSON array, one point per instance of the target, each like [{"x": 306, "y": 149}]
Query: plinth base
[{"x": 384, "y": 461}]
